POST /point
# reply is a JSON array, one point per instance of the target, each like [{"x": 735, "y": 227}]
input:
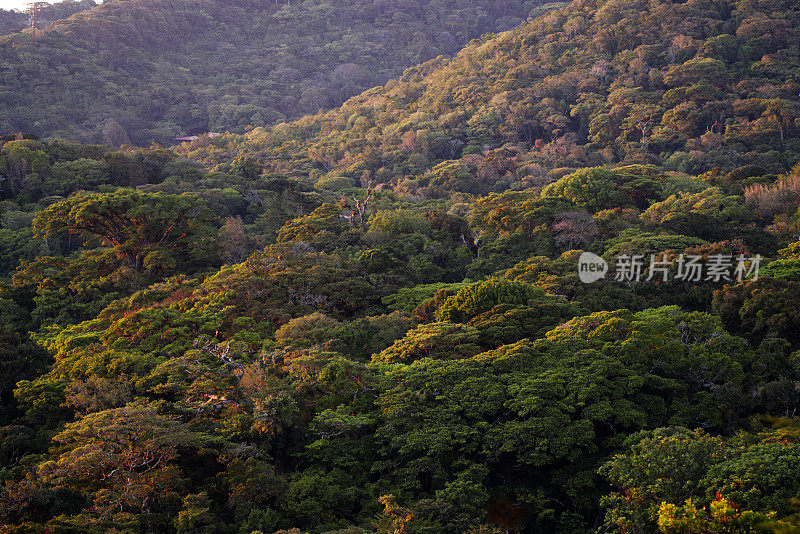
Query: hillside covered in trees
[
  {"x": 372, "y": 321},
  {"x": 141, "y": 71},
  {"x": 12, "y": 21},
  {"x": 688, "y": 86}
]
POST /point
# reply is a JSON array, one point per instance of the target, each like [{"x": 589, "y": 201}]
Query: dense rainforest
[
  {"x": 143, "y": 71},
  {"x": 372, "y": 320},
  {"x": 690, "y": 87},
  {"x": 12, "y": 21}
]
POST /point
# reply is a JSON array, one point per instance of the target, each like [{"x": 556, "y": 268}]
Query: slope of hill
[
  {"x": 692, "y": 86},
  {"x": 141, "y": 71},
  {"x": 12, "y": 21}
]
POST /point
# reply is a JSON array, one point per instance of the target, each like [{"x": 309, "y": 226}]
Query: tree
[
  {"x": 148, "y": 231},
  {"x": 574, "y": 228},
  {"x": 663, "y": 466},
  {"x": 122, "y": 458},
  {"x": 434, "y": 340},
  {"x": 761, "y": 308},
  {"x": 722, "y": 515},
  {"x": 748, "y": 479},
  {"x": 598, "y": 188},
  {"x": 235, "y": 244},
  {"x": 521, "y": 411},
  {"x": 481, "y": 297},
  {"x": 114, "y": 134},
  {"x": 781, "y": 113}
]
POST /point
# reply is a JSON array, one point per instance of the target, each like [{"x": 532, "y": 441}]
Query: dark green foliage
[
  {"x": 783, "y": 270},
  {"x": 761, "y": 308},
  {"x": 145, "y": 231},
  {"x": 435, "y": 340},
  {"x": 671, "y": 465},
  {"x": 12, "y": 21},
  {"x": 681, "y": 85},
  {"x": 131, "y": 72}
]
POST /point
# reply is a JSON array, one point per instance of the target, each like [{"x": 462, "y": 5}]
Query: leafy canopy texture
[
  {"x": 139, "y": 72},
  {"x": 371, "y": 320},
  {"x": 141, "y": 228}
]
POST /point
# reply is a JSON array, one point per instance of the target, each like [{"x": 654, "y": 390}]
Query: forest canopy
[
  {"x": 371, "y": 320},
  {"x": 136, "y": 71}
]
